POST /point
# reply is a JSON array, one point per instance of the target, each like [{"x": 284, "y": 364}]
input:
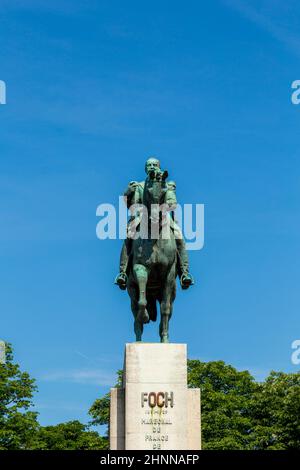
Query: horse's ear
[{"x": 165, "y": 175}]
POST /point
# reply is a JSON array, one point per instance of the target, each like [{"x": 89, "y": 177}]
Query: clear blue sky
[{"x": 93, "y": 88}]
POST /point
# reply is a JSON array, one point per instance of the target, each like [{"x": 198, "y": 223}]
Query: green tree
[
  {"x": 72, "y": 435},
  {"x": 18, "y": 425},
  {"x": 275, "y": 410},
  {"x": 225, "y": 399}
]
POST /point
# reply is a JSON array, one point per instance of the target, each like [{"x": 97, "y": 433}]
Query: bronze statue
[{"x": 154, "y": 252}]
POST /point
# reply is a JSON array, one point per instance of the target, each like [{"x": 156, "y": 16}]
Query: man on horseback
[{"x": 134, "y": 195}]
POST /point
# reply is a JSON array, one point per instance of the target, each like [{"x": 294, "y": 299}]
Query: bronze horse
[{"x": 152, "y": 270}]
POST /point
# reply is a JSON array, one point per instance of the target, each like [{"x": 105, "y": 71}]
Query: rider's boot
[
  {"x": 121, "y": 280},
  {"x": 186, "y": 280}
]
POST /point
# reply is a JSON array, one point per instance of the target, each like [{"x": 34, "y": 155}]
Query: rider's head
[{"x": 152, "y": 164}]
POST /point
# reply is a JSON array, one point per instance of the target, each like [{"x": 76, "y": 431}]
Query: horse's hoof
[
  {"x": 164, "y": 339},
  {"x": 146, "y": 318}
]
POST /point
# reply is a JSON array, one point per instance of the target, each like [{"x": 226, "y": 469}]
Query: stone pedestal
[{"x": 155, "y": 410}]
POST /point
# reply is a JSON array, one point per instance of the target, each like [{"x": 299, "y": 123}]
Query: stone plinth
[
  {"x": 155, "y": 410},
  {"x": 117, "y": 419}
]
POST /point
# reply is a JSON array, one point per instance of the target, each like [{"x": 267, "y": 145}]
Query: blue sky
[{"x": 95, "y": 87}]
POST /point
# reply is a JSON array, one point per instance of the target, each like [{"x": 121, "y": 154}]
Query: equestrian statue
[{"x": 154, "y": 252}]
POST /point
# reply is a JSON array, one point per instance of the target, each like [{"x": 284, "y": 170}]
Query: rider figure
[{"x": 134, "y": 195}]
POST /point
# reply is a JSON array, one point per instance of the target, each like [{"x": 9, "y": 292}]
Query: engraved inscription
[
  {"x": 156, "y": 407},
  {"x": 160, "y": 399}
]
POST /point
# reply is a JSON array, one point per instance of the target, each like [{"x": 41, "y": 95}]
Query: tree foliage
[
  {"x": 18, "y": 425},
  {"x": 225, "y": 397},
  {"x": 99, "y": 410},
  {"x": 72, "y": 435},
  {"x": 275, "y": 412}
]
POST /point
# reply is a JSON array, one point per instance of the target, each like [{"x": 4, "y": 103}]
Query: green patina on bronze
[{"x": 150, "y": 264}]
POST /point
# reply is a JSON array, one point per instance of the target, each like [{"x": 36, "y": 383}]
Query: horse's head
[
  {"x": 155, "y": 188},
  {"x": 154, "y": 193}
]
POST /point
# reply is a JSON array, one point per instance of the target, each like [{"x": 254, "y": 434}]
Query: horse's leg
[
  {"x": 166, "y": 305},
  {"x": 141, "y": 276},
  {"x": 138, "y": 325}
]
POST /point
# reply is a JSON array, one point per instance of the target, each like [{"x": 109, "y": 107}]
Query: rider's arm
[
  {"x": 170, "y": 198},
  {"x": 130, "y": 193}
]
